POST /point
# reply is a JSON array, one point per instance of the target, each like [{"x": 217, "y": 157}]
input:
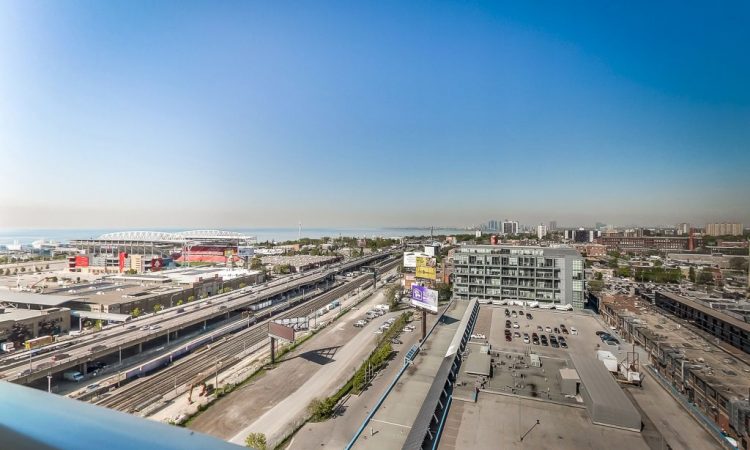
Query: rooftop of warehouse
[{"x": 725, "y": 368}]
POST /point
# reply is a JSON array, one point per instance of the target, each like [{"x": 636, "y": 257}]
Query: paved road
[
  {"x": 338, "y": 431},
  {"x": 316, "y": 369},
  {"x": 677, "y": 427}
]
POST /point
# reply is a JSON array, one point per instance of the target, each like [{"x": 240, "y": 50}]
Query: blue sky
[{"x": 250, "y": 114}]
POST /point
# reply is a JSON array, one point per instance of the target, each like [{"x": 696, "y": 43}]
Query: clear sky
[{"x": 249, "y": 114}]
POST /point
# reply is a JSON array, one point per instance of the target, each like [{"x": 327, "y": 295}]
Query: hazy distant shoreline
[{"x": 27, "y": 236}]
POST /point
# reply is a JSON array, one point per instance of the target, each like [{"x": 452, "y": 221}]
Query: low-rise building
[
  {"x": 57, "y": 320},
  {"x": 705, "y": 376},
  {"x": 497, "y": 272}
]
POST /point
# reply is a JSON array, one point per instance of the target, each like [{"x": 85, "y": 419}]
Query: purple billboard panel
[{"x": 424, "y": 298}]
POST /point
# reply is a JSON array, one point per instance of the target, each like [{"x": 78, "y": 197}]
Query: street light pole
[{"x": 49, "y": 383}]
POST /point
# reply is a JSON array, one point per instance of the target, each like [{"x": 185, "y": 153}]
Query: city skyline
[{"x": 123, "y": 115}]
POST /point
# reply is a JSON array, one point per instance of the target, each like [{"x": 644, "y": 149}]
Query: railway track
[{"x": 221, "y": 355}]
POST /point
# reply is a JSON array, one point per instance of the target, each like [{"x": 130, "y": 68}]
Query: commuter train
[{"x": 183, "y": 350}]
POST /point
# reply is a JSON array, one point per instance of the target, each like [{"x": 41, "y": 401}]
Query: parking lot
[
  {"x": 581, "y": 337},
  {"x": 512, "y": 368}
]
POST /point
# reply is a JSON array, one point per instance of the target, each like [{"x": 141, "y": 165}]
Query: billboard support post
[
  {"x": 273, "y": 353},
  {"x": 424, "y": 325}
]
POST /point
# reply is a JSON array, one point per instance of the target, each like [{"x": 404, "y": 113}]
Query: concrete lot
[{"x": 498, "y": 421}]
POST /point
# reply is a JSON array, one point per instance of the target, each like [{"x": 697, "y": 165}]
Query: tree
[
  {"x": 135, "y": 312},
  {"x": 738, "y": 263},
  {"x": 19, "y": 332},
  {"x": 46, "y": 327},
  {"x": 23, "y": 269},
  {"x": 445, "y": 292},
  {"x": 691, "y": 274},
  {"x": 158, "y": 307},
  {"x": 191, "y": 298},
  {"x": 179, "y": 302},
  {"x": 598, "y": 276},
  {"x": 392, "y": 296},
  {"x": 98, "y": 324},
  {"x": 612, "y": 263},
  {"x": 256, "y": 263},
  {"x": 320, "y": 409},
  {"x": 705, "y": 277},
  {"x": 596, "y": 285},
  {"x": 256, "y": 440}
]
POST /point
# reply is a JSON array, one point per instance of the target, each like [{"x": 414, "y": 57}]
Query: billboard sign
[
  {"x": 410, "y": 259},
  {"x": 424, "y": 298},
  {"x": 279, "y": 331},
  {"x": 245, "y": 252},
  {"x": 426, "y": 268}
]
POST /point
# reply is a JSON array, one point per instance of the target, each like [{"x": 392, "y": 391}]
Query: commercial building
[
  {"x": 541, "y": 231},
  {"x": 56, "y": 320},
  {"x": 552, "y": 225},
  {"x": 591, "y": 250},
  {"x": 581, "y": 235},
  {"x": 647, "y": 243},
  {"x": 724, "y": 229},
  {"x": 509, "y": 227},
  {"x": 707, "y": 378},
  {"x": 725, "y": 325},
  {"x": 683, "y": 229},
  {"x": 543, "y": 274}
]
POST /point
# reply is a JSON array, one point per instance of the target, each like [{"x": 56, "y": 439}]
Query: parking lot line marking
[{"x": 390, "y": 423}]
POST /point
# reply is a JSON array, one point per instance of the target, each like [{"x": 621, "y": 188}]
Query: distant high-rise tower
[
  {"x": 541, "y": 231},
  {"x": 510, "y": 227},
  {"x": 552, "y": 225}
]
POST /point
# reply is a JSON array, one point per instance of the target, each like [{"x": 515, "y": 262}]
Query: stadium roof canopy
[{"x": 181, "y": 237}]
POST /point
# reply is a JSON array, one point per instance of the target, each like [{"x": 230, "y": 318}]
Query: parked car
[
  {"x": 507, "y": 312},
  {"x": 529, "y": 316},
  {"x": 516, "y": 334},
  {"x": 548, "y": 329},
  {"x": 516, "y": 325},
  {"x": 573, "y": 330},
  {"x": 539, "y": 328},
  {"x": 508, "y": 337},
  {"x": 556, "y": 330}
]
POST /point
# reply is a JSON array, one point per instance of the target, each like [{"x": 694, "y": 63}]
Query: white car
[
  {"x": 516, "y": 325},
  {"x": 548, "y": 329},
  {"x": 378, "y": 331},
  {"x": 478, "y": 336},
  {"x": 573, "y": 330}
]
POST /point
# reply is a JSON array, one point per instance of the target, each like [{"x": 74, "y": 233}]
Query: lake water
[{"x": 27, "y": 236}]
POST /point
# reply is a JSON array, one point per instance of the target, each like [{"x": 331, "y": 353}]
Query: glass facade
[{"x": 543, "y": 274}]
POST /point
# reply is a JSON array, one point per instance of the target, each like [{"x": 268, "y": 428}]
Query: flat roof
[
  {"x": 548, "y": 251},
  {"x": 569, "y": 374},
  {"x": 610, "y": 406},
  {"x": 478, "y": 364},
  {"x": 30, "y": 298},
  {"x": 705, "y": 309},
  {"x": 15, "y": 314}
]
